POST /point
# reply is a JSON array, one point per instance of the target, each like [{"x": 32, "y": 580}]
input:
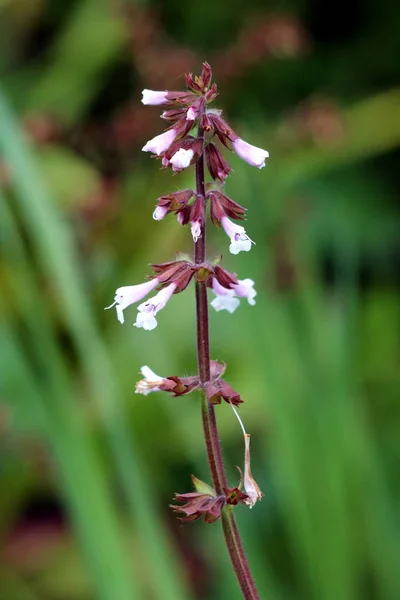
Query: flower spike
[{"x": 194, "y": 138}]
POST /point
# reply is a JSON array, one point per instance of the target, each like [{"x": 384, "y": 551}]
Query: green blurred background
[{"x": 87, "y": 469}]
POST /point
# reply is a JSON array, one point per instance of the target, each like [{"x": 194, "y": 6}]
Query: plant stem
[{"x": 213, "y": 447}]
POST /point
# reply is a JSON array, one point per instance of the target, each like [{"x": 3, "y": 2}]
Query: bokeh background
[{"x": 87, "y": 469}]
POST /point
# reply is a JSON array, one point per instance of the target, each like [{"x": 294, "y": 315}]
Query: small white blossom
[
  {"x": 150, "y": 382},
  {"x": 146, "y": 320},
  {"x": 161, "y": 142},
  {"x": 159, "y": 213},
  {"x": 228, "y": 299},
  {"x": 129, "y": 294},
  {"x": 181, "y": 159},
  {"x": 151, "y": 97},
  {"x": 229, "y": 303},
  {"x": 251, "y": 154},
  {"x": 240, "y": 241},
  {"x": 224, "y": 298},
  {"x": 146, "y": 317},
  {"x": 245, "y": 289}
]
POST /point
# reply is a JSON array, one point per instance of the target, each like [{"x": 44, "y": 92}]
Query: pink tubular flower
[
  {"x": 240, "y": 241},
  {"x": 161, "y": 142},
  {"x": 152, "y": 98},
  {"x": 146, "y": 317},
  {"x": 129, "y": 294},
  {"x": 181, "y": 159},
  {"x": 251, "y": 154}
]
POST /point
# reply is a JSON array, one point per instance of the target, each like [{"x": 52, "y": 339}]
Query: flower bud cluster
[
  {"x": 205, "y": 501},
  {"x": 174, "y": 277},
  {"x": 216, "y": 389}
]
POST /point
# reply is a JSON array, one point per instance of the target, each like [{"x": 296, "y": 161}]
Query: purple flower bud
[
  {"x": 129, "y": 294},
  {"x": 240, "y": 241},
  {"x": 173, "y": 114},
  {"x": 161, "y": 142},
  {"x": 251, "y": 154},
  {"x": 146, "y": 317},
  {"x": 152, "y": 98},
  {"x": 217, "y": 165}
]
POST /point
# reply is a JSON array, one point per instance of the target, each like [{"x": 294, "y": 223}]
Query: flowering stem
[{"x": 213, "y": 447}]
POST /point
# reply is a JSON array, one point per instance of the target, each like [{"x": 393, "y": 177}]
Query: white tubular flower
[
  {"x": 159, "y": 213},
  {"x": 181, "y": 159},
  {"x": 240, "y": 241},
  {"x": 195, "y": 228},
  {"x": 146, "y": 317},
  {"x": 152, "y": 98},
  {"x": 160, "y": 143},
  {"x": 245, "y": 289},
  {"x": 129, "y": 294},
  {"x": 224, "y": 298},
  {"x": 251, "y": 154},
  {"x": 150, "y": 382}
]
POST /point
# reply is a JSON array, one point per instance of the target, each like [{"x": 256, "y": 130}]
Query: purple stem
[{"x": 213, "y": 447}]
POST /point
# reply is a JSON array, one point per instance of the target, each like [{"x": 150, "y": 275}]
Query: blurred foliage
[{"x": 87, "y": 469}]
